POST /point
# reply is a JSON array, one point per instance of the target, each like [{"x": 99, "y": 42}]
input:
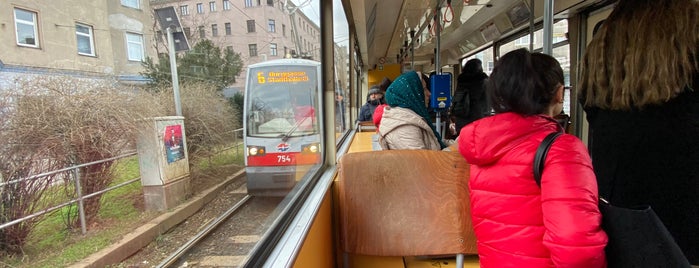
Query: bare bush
[
  {"x": 54, "y": 122},
  {"x": 209, "y": 119}
]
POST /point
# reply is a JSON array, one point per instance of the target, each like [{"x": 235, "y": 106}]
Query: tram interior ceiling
[{"x": 407, "y": 35}]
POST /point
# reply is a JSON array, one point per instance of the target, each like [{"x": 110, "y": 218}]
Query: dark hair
[
  {"x": 426, "y": 78},
  {"x": 473, "y": 66},
  {"x": 524, "y": 83}
]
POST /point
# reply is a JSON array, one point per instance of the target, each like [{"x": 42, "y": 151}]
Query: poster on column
[{"x": 174, "y": 147}]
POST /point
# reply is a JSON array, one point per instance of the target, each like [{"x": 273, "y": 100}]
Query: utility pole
[{"x": 173, "y": 71}]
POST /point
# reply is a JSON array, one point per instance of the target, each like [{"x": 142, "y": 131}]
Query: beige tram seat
[{"x": 404, "y": 203}]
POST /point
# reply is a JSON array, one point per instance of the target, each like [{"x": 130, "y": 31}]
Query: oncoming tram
[{"x": 281, "y": 124}]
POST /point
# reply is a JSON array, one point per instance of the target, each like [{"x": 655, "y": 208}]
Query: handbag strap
[{"x": 541, "y": 153}]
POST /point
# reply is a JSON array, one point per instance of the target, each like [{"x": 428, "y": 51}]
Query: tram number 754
[{"x": 283, "y": 159}]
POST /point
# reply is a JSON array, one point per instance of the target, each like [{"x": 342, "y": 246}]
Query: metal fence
[{"x": 73, "y": 171}]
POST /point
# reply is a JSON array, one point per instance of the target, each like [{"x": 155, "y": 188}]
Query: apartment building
[
  {"x": 257, "y": 29},
  {"x": 92, "y": 39}
]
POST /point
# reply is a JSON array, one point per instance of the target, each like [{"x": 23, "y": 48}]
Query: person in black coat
[
  {"x": 470, "y": 101},
  {"x": 373, "y": 99},
  {"x": 639, "y": 87}
]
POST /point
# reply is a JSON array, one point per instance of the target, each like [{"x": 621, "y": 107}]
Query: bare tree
[{"x": 53, "y": 122}]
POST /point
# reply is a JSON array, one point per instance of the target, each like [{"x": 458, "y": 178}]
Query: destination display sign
[{"x": 282, "y": 77}]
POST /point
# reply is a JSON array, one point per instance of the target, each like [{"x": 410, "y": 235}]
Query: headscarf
[{"x": 407, "y": 92}]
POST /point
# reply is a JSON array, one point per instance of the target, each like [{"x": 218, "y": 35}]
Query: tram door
[{"x": 595, "y": 18}]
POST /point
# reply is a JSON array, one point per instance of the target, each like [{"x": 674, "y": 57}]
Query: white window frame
[
  {"x": 131, "y": 3},
  {"x": 212, "y": 6},
  {"x": 200, "y": 8},
  {"x": 271, "y": 26},
  {"x": 214, "y": 29},
  {"x": 273, "y": 49},
  {"x": 132, "y": 43},
  {"x": 90, "y": 38},
  {"x": 184, "y": 10},
  {"x": 33, "y": 24},
  {"x": 229, "y": 29},
  {"x": 226, "y": 5},
  {"x": 252, "y": 50},
  {"x": 248, "y": 3}
]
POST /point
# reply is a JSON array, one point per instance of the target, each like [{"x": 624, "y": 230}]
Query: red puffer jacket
[{"x": 517, "y": 223}]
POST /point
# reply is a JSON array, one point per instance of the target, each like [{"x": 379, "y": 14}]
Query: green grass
[{"x": 51, "y": 244}]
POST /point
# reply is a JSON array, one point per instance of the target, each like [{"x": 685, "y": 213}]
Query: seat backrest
[{"x": 404, "y": 203}]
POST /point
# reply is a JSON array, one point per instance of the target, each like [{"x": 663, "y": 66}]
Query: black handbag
[{"x": 637, "y": 237}]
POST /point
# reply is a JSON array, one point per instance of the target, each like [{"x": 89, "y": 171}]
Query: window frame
[
  {"x": 229, "y": 29},
  {"x": 34, "y": 24},
  {"x": 273, "y": 49},
  {"x": 214, "y": 29},
  {"x": 252, "y": 50},
  {"x": 226, "y": 4},
  {"x": 200, "y": 8},
  {"x": 202, "y": 32},
  {"x": 90, "y": 38},
  {"x": 131, "y": 3},
  {"x": 248, "y": 3},
  {"x": 184, "y": 10},
  {"x": 271, "y": 26},
  {"x": 129, "y": 43},
  {"x": 250, "y": 26},
  {"x": 212, "y": 6}
]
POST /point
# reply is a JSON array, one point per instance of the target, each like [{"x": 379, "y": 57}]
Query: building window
[
  {"x": 212, "y": 6},
  {"x": 523, "y": 41},
  {"x": 229, "y": 48},
  {"x": 284, "y": 30},
  {"x": 253, "y": 50},
  {"x": 271, "y": 27},
  {"x": 273, "y": 49},
  {"x": 226, "y": 5},
  {"x": 214, "y": 30},
  {"x": 248, "y": 3},
  {"x": 202, "y": 32},
  {"x": 251, "y": 26},
  {"x": 184, "y": 10},
  {"x": 270, "y": 3},
  {"x": 86, "y": 41},
  {"x": 131, "y": 3},
  {"x": 25, "y": 25},
  {"x": 200, "y": 8},
  {"x": 187, "y": 32},
  {"x": 491, "y": 66},
  {"x": 134, "y": 46},
  {"x": 258, "y": 2},
  {"x": 228, "y": 28}
]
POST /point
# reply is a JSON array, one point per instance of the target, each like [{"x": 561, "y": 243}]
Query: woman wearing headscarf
[{"x": 405, "y": 122}]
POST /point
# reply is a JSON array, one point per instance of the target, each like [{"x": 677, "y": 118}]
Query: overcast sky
[{"x": 312, "y": 11}]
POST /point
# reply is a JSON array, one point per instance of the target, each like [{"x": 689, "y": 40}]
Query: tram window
[
  {"x": 342, "y": 77},
  {"x": 487, "y": 58}
]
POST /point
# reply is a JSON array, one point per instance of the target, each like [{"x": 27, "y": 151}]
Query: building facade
[
  {"x": 100, "y": 39},
  {"x": 259, "y": 30}
]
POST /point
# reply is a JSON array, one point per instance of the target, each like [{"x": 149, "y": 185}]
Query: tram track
[{"x": 208, "y": 229}]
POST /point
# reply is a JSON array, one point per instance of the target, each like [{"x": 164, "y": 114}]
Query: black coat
[
  {"x": 474, "y": 86},
  {"x": 651, "y": 157}
]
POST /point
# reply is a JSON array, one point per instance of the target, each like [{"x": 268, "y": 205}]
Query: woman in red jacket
[{"x": 518, "y": 224}]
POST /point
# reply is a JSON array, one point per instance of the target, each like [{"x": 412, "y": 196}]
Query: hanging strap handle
[{"x": 540, "y": 155}]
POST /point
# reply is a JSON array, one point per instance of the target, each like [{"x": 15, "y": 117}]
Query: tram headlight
[
  {"x": 256, "y": 150},
  {"x": 311, "y": 148}
]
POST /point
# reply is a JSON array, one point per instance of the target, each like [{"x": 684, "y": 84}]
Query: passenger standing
[
  {"x": 405, "y": 122},
  {"x": 470, "y": 101},
  {"x": 638, "y": 85},
  {"x": 374, "y": 99},
  {"x": 517, "y": 223}
]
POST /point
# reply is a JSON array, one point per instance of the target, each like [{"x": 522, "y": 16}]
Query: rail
[{"x": 80, "y": 197}]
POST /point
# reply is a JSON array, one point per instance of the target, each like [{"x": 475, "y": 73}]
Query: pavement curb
[{"x": 142, "y": 236}]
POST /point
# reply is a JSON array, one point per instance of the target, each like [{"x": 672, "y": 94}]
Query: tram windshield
[{"x": 282, "y": 101}]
